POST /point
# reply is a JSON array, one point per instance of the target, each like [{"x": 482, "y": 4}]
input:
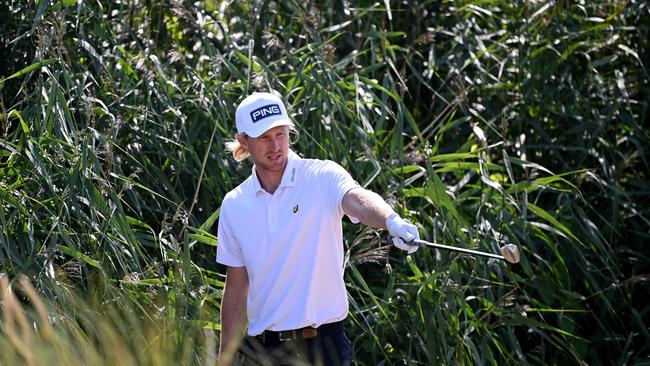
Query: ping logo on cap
[{"x": 265, "y": 111}]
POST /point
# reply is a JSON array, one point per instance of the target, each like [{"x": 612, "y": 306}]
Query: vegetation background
[{"x": 484, "y": 122}]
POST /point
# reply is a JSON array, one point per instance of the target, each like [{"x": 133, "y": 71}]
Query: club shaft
[{"x": 457, "y": 249}]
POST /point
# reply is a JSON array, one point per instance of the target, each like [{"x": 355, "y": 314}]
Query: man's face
[{"x": 269, "y": 150}]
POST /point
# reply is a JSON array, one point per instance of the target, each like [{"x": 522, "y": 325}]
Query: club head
[{"x": 510, "y": 252}]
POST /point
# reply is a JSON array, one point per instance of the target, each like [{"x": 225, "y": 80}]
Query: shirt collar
[{"x": 288, "y": 176}]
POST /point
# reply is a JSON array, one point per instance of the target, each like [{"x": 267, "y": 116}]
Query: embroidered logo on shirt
[{"x": 295, "y": 209}]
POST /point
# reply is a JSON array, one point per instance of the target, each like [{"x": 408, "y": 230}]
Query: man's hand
[
  {"x": 372, "y": 210},
  {"x": 402, "y": 232}
]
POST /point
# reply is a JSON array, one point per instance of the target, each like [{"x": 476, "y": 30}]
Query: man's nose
[{"x": 275, "y": 143}]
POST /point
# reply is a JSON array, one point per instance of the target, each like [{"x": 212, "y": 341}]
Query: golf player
[{"x": 280, "y": 236}]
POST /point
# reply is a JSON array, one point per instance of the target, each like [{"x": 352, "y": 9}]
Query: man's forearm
[
  {"x": 233, "y": 315},
  {"x": 373, "y": 211},
  {"x": 367, "y": 206},
  {"x": 233, "y": 319}
]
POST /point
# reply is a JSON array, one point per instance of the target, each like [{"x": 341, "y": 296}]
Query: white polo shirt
[{"x": 291, "y": 244}]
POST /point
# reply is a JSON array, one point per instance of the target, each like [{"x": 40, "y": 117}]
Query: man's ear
[{"x": 243, "y": 140}]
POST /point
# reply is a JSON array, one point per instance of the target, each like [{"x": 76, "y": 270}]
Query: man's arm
[
  {"x": 372, "y": 210},
  {"x": 367, "y": 206},
  {"x": 233, "y": 313}
]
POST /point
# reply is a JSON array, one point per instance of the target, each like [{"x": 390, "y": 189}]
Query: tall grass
[
  {"x": 95, "y": 330},
  {"x": 482, "y": 122}
]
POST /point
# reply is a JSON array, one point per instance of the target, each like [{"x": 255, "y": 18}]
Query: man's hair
[{"x": 240, "y": 153}]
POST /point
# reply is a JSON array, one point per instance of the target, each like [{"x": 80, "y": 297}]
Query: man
[{"x": 280, "y": 235}]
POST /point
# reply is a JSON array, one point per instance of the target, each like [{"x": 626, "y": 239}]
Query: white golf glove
[{"x": 403, "y": 233}]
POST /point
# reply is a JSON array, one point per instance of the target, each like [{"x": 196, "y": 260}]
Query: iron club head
[{"x": 510, "y": 252}]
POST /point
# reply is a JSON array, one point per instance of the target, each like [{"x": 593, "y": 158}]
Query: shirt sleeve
[
  {"x": 339, "y": 182},
  {"x": 228, "y": 248}
]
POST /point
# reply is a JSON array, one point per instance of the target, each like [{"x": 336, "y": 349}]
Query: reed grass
[{"x": 484, "y": 122}]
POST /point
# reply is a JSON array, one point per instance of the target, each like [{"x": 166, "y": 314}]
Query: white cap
[{"x": 260, "y": 112}]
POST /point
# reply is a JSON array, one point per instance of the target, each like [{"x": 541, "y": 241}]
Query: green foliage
[
  {"x": 484, "y": 122},
  {"x": 98, "y": 329}
]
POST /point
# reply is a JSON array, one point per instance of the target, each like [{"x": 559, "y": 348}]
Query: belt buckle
[{"x": 309, "y": 333}]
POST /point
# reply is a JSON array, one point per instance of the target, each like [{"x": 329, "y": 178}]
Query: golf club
[{"x": 509, "y": 252}]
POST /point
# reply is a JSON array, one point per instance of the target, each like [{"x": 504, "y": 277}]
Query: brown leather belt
[{"x": 302, "y": 333}]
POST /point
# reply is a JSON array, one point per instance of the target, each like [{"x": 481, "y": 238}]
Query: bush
[{"x": 483, "y": 122}]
